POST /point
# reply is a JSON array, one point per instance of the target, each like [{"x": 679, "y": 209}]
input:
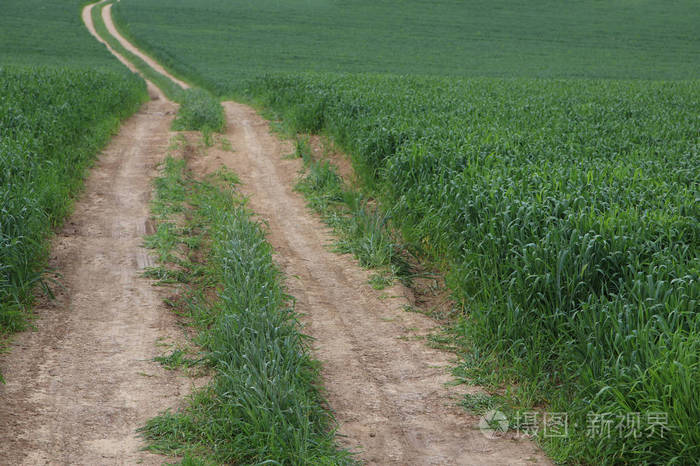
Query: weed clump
[{"x": 199, "y": 111}]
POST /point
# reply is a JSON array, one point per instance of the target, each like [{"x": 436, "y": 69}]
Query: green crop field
[
  {"x": 61, "y": 96},
  {"x": 563, "y": 211},
  {"x": 565, "y": 216},
  {"x": 217, "y": 42},
  {"x": 37, "y": 32},
  {"x": 542, "y": 155}
]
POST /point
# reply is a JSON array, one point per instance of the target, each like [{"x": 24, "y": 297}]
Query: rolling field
[
  {"x": 563, "y": 212},
  {"x": 218, "y": 42},
  {"x": 36, "y": 33},
  {"x": 61, "y": 97}
]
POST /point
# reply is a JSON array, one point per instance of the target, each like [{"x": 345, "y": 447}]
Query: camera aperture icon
[{"x": 492, "y": 423}]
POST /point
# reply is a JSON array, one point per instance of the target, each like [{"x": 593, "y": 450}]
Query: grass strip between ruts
[{"x": 264, "y": 403}]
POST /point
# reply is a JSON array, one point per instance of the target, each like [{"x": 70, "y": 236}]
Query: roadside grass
[
  {"x": 361, "y": 230},
  {"x": 264, "y": 404}
]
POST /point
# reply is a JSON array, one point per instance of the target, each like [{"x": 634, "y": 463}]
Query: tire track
[{"x": 81, "y": 384}]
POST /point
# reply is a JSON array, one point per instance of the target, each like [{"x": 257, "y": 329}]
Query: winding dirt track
[
  {"x": 107, "y": 17},
  {"x": 75, "y": 394}
]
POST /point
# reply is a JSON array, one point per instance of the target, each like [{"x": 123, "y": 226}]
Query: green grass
[
  {"x": 264, "y": 402},
  {"x": 51, "y": 33},
  {"x": 199, "y": 111},
  {"x": 217, "y": 43},
  {"x": 362, "y": 231}
]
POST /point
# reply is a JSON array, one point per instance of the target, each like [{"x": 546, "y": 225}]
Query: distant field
[
  {"x": 221, "y": 41},
  {"x": 49, "y": 32},
  {"x": 62, "y": 94}
]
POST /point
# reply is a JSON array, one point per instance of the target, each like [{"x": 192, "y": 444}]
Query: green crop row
[
  {"x": 565, "y": 215},
  {"x": 52, "y": 123}
]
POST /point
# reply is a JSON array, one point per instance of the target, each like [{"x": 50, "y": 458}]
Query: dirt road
[
  {"x": 76, "y": 392},
  {"x": 81, "y": 384},
  {"x": 107, "y": 17}
]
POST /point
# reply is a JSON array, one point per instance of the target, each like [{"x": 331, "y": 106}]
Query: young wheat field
[{"x": 537, "y": 162}]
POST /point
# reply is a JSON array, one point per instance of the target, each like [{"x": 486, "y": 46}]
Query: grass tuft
[{"x": 199, "y": 111}]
